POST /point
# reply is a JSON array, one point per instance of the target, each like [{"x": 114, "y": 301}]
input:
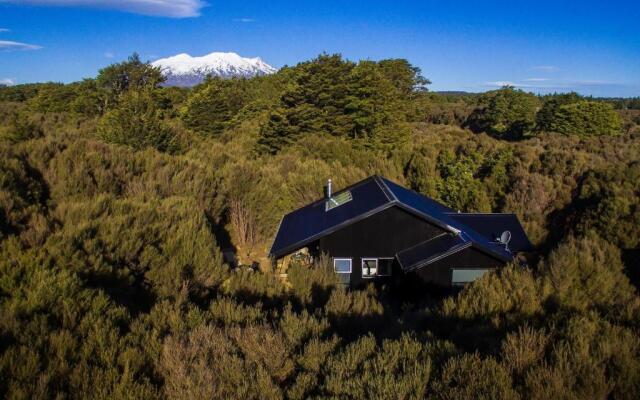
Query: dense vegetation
[{"x": 118, "y": 197}]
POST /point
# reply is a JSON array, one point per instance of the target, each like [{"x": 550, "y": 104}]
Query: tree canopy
[{"x": 135, "y": 222}]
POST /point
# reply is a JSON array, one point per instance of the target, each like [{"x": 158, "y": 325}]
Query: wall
[
  {"x": 380, "y": 235},
  {"x": 440, "y": 271}
]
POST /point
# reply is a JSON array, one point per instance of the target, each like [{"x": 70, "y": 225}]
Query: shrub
[
  {"x": 18, "y": 127},
  {"x": 472, "y": 377},
  {"x": 587, "y": 274},
  {"x": 397, "y": 369}
]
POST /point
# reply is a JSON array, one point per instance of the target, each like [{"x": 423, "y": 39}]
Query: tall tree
[
  {"x": 506, "y": 113},
  {"x": 132, "y": 74}
]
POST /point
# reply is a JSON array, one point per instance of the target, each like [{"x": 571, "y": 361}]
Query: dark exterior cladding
[{"x": 370, "y": 196}]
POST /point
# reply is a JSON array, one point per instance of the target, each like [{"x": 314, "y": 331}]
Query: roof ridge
[{"x": 380, "y": 180}]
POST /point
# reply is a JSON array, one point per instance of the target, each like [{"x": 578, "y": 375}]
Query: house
[{"x": 379, "y": 230}]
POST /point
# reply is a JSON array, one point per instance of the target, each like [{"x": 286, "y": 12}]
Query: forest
[{"x": 120, "y": 198}]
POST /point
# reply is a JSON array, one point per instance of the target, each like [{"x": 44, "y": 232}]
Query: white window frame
[
  {"x": 378, "y": 267},
  {"x": 362, "y": 260},
  {"x": 343, "y": 259}
]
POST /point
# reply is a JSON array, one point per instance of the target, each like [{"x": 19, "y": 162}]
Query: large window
[
  {"x": 462, "y": 276},
  {"x": 369, "y": 267},
  {"x": 342, "y": 265}
]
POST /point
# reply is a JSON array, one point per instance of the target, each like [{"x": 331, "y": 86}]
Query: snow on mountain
[{"x": 185, "y": 70}]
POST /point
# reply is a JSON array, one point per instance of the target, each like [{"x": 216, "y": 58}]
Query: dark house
[{"x": 376, "y": 229}]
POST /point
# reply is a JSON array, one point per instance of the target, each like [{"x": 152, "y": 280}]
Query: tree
[
  {"x": 212, "y": 107},
  {"x": 132, "y": 74},
  {"x": 505, "y": 113},
  {"x": 547, "y": 114},
  {"x": 136, "y": 122},
  {"x": 586, "y": 118},
  {"x": 363, "y": 101},
  {"x": 404, "y": 76}
]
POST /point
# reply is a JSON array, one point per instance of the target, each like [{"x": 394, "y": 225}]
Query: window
[
  {"x": 369, "y": 267},
  {"x": 384, "y": 266},
  {"x": 460, "y": 277},
  {"x": 338, "y": 200},
  {"x": 342, "y": 265}
]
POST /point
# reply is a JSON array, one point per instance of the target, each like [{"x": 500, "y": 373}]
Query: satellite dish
[{"x": 505, "y": 238}]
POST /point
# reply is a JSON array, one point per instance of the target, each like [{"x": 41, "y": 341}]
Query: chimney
[{"x": 328, "y": 190}]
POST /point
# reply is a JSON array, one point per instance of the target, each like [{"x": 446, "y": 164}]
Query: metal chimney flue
[{"x": 328, "y": 189}]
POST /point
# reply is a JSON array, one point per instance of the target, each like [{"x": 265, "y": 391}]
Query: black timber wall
[
  {"x": 440, "y": 271},
  {"x": 380, "y": 235}
]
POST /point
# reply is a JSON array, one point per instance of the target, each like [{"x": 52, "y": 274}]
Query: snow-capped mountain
[{"x": 185, "y": 70}]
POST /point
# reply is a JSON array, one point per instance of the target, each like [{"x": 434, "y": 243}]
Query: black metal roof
[
  {"x": 492, "y": 225},
  {"x": 371, "y": 195},
  {"x": 431, "y": 251}
]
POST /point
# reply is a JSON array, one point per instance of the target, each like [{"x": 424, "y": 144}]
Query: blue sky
[{"x": 592, "y": 47}]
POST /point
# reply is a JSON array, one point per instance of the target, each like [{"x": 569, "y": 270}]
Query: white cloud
[
  {"x": 545, "y": 85},
  {"x": 244, "y": 20},
  {"x": 7, "y": 45},
  {"x": 7, "y": 82},
  {"x": 536, "y": 80},
  {"x": 157, "y": 8},
  {"x": 109, "y": 54},
  {"x": 546, "y": 68},
  {"x": 499, "y": 83},
  {"x": 594, "y": 83},
  {"x": 4, "y": 30}
]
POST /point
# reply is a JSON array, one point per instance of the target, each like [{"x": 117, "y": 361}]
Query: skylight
[{"x": 338, "y": 200}]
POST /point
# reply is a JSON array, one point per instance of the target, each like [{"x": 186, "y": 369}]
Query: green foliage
[
  {"x": 548, "y": 113},
  {"x": 458, "y": 188},
  {"x": 512, "y": 294},
  {"x": 340, "y": 98},
  {"x": 112, "y": 281},
  {"x": 585, "y": 118},
  {"x": 130, "y": 75},
  {"x": 505, "y": 113},
  {"x": 212, "y": 107},
  {"x": 55, "y": 97},
  {"x": 22, "y": 195},
  {"x": 17, "y": 127},
  {"x": 136, "y": 122},
  {"x": 610, "y": 195},
  {"x": 588, "y": 274},
  {"x": 472, "y": 377},
  {"x": 162, "y": 245},
  {"x": 19, "y": 93},
  {"x": 396, "y": 370},
  {"x": 590, "y": 359}
]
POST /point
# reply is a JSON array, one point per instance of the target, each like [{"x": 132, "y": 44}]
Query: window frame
[
  {"x": 343, "y": 259},
  {"x": 332, "y": 202},
  {"x": 391, "y": 266},
  {"x": 362, "y": 260},
  {"x": 461, "y": 283}
]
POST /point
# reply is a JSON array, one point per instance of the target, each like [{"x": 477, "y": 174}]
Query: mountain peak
[{"x": 186, "y": 70}]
